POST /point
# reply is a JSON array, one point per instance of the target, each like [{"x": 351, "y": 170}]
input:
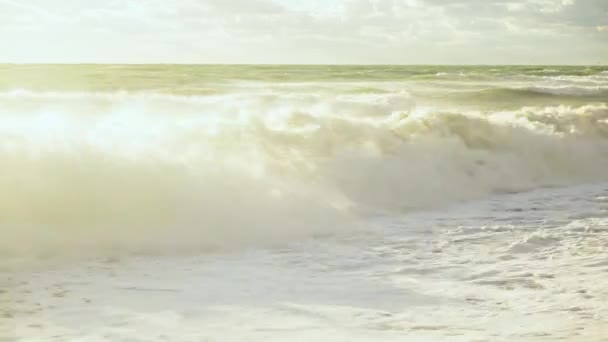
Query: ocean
[{"x": 303, "y": 203}]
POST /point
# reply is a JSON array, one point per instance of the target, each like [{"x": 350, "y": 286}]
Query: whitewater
[{"x": 330, "y": 203}]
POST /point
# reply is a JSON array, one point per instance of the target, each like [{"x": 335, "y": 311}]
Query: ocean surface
[{"x": 303, "y": 203}]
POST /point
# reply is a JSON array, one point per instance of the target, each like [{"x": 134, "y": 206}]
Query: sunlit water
[{"x": 233, "y": 203}]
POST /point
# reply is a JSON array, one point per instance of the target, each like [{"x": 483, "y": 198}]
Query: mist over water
[{"x": 109, "y": 159}]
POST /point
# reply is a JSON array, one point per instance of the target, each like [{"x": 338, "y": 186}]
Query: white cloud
[{"x": 300, "y": 31}]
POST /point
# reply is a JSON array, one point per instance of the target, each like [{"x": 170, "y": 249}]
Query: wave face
[{"x": 110, "y": 159}]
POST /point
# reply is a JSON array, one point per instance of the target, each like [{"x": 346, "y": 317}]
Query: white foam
[{"x": 153, "y": 172}]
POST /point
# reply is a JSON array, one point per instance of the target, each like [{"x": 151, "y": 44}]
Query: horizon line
[{"x": 295, "y": 64}]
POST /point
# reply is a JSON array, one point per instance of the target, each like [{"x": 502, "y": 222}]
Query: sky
[{"x": 305, "y": 31}]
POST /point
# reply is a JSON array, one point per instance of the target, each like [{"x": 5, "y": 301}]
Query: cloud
[{"x": 300, "y": 31}]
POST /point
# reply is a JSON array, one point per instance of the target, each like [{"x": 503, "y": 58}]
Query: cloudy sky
[{"x": 305, "y": 31}]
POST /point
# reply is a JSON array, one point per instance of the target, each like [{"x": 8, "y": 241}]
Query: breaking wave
[{"x": 118, "y": 172}]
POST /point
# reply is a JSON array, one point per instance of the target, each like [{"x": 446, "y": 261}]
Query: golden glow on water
[{"x": 162, "y": 157}]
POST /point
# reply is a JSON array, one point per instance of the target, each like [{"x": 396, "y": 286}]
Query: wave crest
[{"x": 129, "y": 172}]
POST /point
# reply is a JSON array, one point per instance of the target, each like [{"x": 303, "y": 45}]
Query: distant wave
[
  {"x": 101, "y": 172},
  {"x": 522, "y": 92},
  {"x": 569, "y": 90},
  {"x": 564, "y": 80}
]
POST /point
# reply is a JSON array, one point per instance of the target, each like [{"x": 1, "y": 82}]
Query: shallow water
[{"x": 529, "y": 266}]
